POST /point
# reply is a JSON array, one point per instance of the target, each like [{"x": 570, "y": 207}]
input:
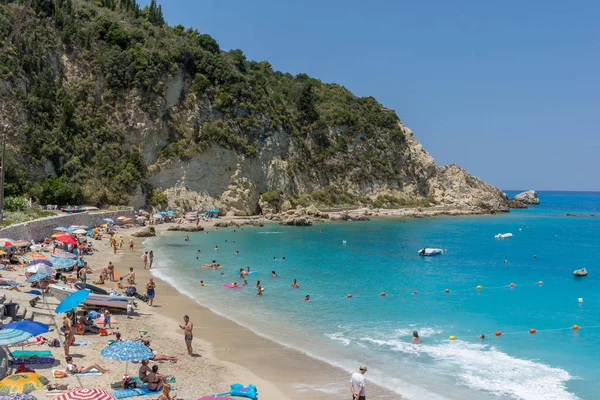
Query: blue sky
[{"x": 508, "y": 90}]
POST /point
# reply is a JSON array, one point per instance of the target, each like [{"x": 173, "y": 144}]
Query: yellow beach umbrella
[
  {"x": 2, "y": 252},
  {"x": 26, "y": 382}
]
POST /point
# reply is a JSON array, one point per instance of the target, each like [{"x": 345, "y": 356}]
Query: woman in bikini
[
  {"x": 150, "y": 291},
  {"x": 165, "y": 394},
  {"x": 73, "y": 369},
  {"x": 69, "y": 334}
]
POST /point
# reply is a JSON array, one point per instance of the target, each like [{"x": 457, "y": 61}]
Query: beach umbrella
[
  {"x": 63, "y": 263},
  {"x": 72, "y": 301},
  {"x": 64, "y": 254},
  {"x": 61, "y": 229},
  {"x": 21, "y": 243},
  {"x": 18, "y": 396},
  {"x": 67, "y": 239},
  {"x": 37, "y": 277},
  {"x": 36, "y": 262},
  {"x": 163, "y": 213},
  {"x": 89, "y": 233},
  {"x": 86, "y": 394},
  {"x": 121, "y": 217},
  {"x": 213, "y": 211},
  {"x": 31, "y": 327},
  {"x": 5, "y": 243},
  {"x": 171, "y": 212},
  {"x": 34, "y": 256},
  {"x": 158, "y": 216},
  {"x": 79, "y": 231},
  {"x": 39, "y": 268},
  {"x": 11, "y": 336},
  {"x": 127, "y": 350},
  {"x": 25, "y": 382},
  {"x": 2, "y": 252},
  {"x": 110, "y": 221}
]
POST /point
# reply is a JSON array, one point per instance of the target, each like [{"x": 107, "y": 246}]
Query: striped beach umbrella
[
  {"x": 34, "y": 256},
  {"x": 5, "y": 243},
  {"x": 21, "y": 243},
  {"x": 86, "y": 394},
  {"x": 63, "y": 263},
  {"x": 13, "y": 336}
]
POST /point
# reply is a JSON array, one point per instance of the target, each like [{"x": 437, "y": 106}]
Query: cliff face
[{"x": 126, "y": 109}]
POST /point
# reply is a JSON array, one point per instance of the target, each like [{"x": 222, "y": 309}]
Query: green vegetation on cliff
[{"x": 69, "y": 70}]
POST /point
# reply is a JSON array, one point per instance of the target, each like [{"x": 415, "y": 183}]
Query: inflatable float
[
  {"x": 239, "y": 390},
  {"x": 231, "y": 286},
  {"x": 580, "y": 272},
  {"x": 503, "y": 235},
  {"x": 247, "y": 273},
  {"x": 427, "y": 252}
]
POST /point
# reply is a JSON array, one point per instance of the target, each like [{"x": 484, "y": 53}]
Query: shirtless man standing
[{"x": 187, "y": 331}]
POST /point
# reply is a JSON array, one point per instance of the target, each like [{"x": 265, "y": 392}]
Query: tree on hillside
[{"x": 307, "y": 103}]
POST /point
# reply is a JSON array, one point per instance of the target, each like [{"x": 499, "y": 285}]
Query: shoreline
[{"x": 288, "y": 370}]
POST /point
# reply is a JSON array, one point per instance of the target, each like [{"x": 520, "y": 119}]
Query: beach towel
[
  {"x": 100, "y": 321},
  {"x": 55, "y": 393},
  {"x": 30, "y": 353},
  {"x": 92, "y": 372},
  {"x": 142, "y": 391},
  {"x": 32, "y": 360},
  {"x": 138, "y": 381}
]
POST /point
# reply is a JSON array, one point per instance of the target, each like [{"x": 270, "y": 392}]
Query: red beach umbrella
[
  {"x": 66, "y": 239},
  {"x": 5, "y": 243},
  {"x": 86, "y": 394}
]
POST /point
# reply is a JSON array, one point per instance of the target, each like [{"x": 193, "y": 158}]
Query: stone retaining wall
[{"x": 41, "y": 228}]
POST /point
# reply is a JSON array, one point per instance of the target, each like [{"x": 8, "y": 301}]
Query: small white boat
[
  {"x": 580, "y": 272},
  {"x": 503, "y": 235},
  {"x": 98, "y": 298},
  {"x": 429, "y": 252}
]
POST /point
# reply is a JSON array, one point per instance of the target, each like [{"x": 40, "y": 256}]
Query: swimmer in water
[
  {"x": 283, "y": 258},
  {"x": 235, "y": 284},
  {"x": 216, "y": 248},
  {"x": 245, "y": 282},
  {"x": 214, "y": 264},
  {"x": 274, "y": 258},
  {"x": 187, "y": 237},
  {"x": 222, "y": 273},
  {"x": 225, "y": 240},
  {"x": 274, "y": 274},
  {"x": 199, "y": 252},
  {"x": 534, "y": 256},
  {"x": 202, "y": 283},
  {"x": 416, "y": 339},
  {"x": 233, "y": 241},
  {"x": 307, "y": 297},
  {"x": 482, "y": 336},
  {"x": 344, "y": 242},
  {"x": 259, "y": 291},
  {"x": 242, "y": 273},
  {"x": 237, "y": 252},
  {"x": 248, "y": 269},
  {"x": 258, "y": 284},
  {"x": 295, "y": 284}
]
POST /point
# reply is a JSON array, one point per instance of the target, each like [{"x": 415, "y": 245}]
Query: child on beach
[
  {"x": 107, "y": 318},
  {"x": 129, "y": 309}
]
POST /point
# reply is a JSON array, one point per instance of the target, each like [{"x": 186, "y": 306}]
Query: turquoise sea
[{"x": 555, "y": 363}]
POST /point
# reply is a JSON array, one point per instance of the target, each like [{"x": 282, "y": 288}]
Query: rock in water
[
  {"x": 528, "y": 197},
  {"x": 148, "y": 232},
  {"x": 186, "y": 228}
]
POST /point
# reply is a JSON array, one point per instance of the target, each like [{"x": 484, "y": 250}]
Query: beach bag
[
  {"x": 103, "y": 332},
  {"x": 59, "y": 374},
  {"x": 54, "y": 343},
  {"x": 131, "y": 290}
]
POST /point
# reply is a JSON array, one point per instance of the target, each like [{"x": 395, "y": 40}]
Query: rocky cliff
[{"x": 108, "y": 104}]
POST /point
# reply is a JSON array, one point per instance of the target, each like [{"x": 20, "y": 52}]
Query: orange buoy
[
  {"x": 512, "y": 285},
  {"x": 575, "y": 327},
  {"x": 498, "y": 333},
  {"x": 447, "y": 291},
  {"x": 382, "y": 294},
  {"x": 349, "y": 295},
  {"x": 540, "y": 283},
  {"x": 532, "y": 330}
]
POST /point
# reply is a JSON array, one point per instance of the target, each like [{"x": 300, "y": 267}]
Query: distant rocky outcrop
[
  {"x": 180, "y": 228},
  {"x": 147, "y": 232},
  {"x": 237, "y": 223},
  {"x": 528, "y": 197}
]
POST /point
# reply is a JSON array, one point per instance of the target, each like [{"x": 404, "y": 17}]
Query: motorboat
[
  {"x": 503, "y": 235},
  {"x": 429, "y": 252},
  {"x": 98, "y": 298},
  {"x": 580, "y": 272}
]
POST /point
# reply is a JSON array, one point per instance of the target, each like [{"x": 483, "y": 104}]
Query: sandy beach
[{"x": 225, "y": 352}]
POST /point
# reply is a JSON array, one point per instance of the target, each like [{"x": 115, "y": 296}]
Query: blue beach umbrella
[
  {"x": 213, "y": 211},
  {"x": 89, "y": 233},
  {"x": 63, "y": 263},
  {"x": 61, "y": 229},
  {"x": 37, "y": 277},
  {"x": 171, "y": 213},
  {"x": 13, "y": 336},
  {"x": 31, "y": 327},
  {"x": 109, "y": 220},
  {"x": 127, "y": 350},
  {"x": 64, "y": 255},
  {"x": 72, "y": 301}
]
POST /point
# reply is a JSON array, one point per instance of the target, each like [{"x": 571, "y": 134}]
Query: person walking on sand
[
  {"x": 145, "y": 259},
  {"x": 357, "y": 384},
  {"x": 150, "y": 291},
  {"x": 151, "y": 258},
  {"x": 130, "y": 244},
  {"x": 111, "y": 271},
  {"x": 121, "y": 242},
  {"x": 187, "y": 333},
  {"x": 69, "y": 334}
]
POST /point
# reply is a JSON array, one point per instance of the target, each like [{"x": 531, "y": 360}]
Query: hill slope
[{"x": 106, "y": 104}]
